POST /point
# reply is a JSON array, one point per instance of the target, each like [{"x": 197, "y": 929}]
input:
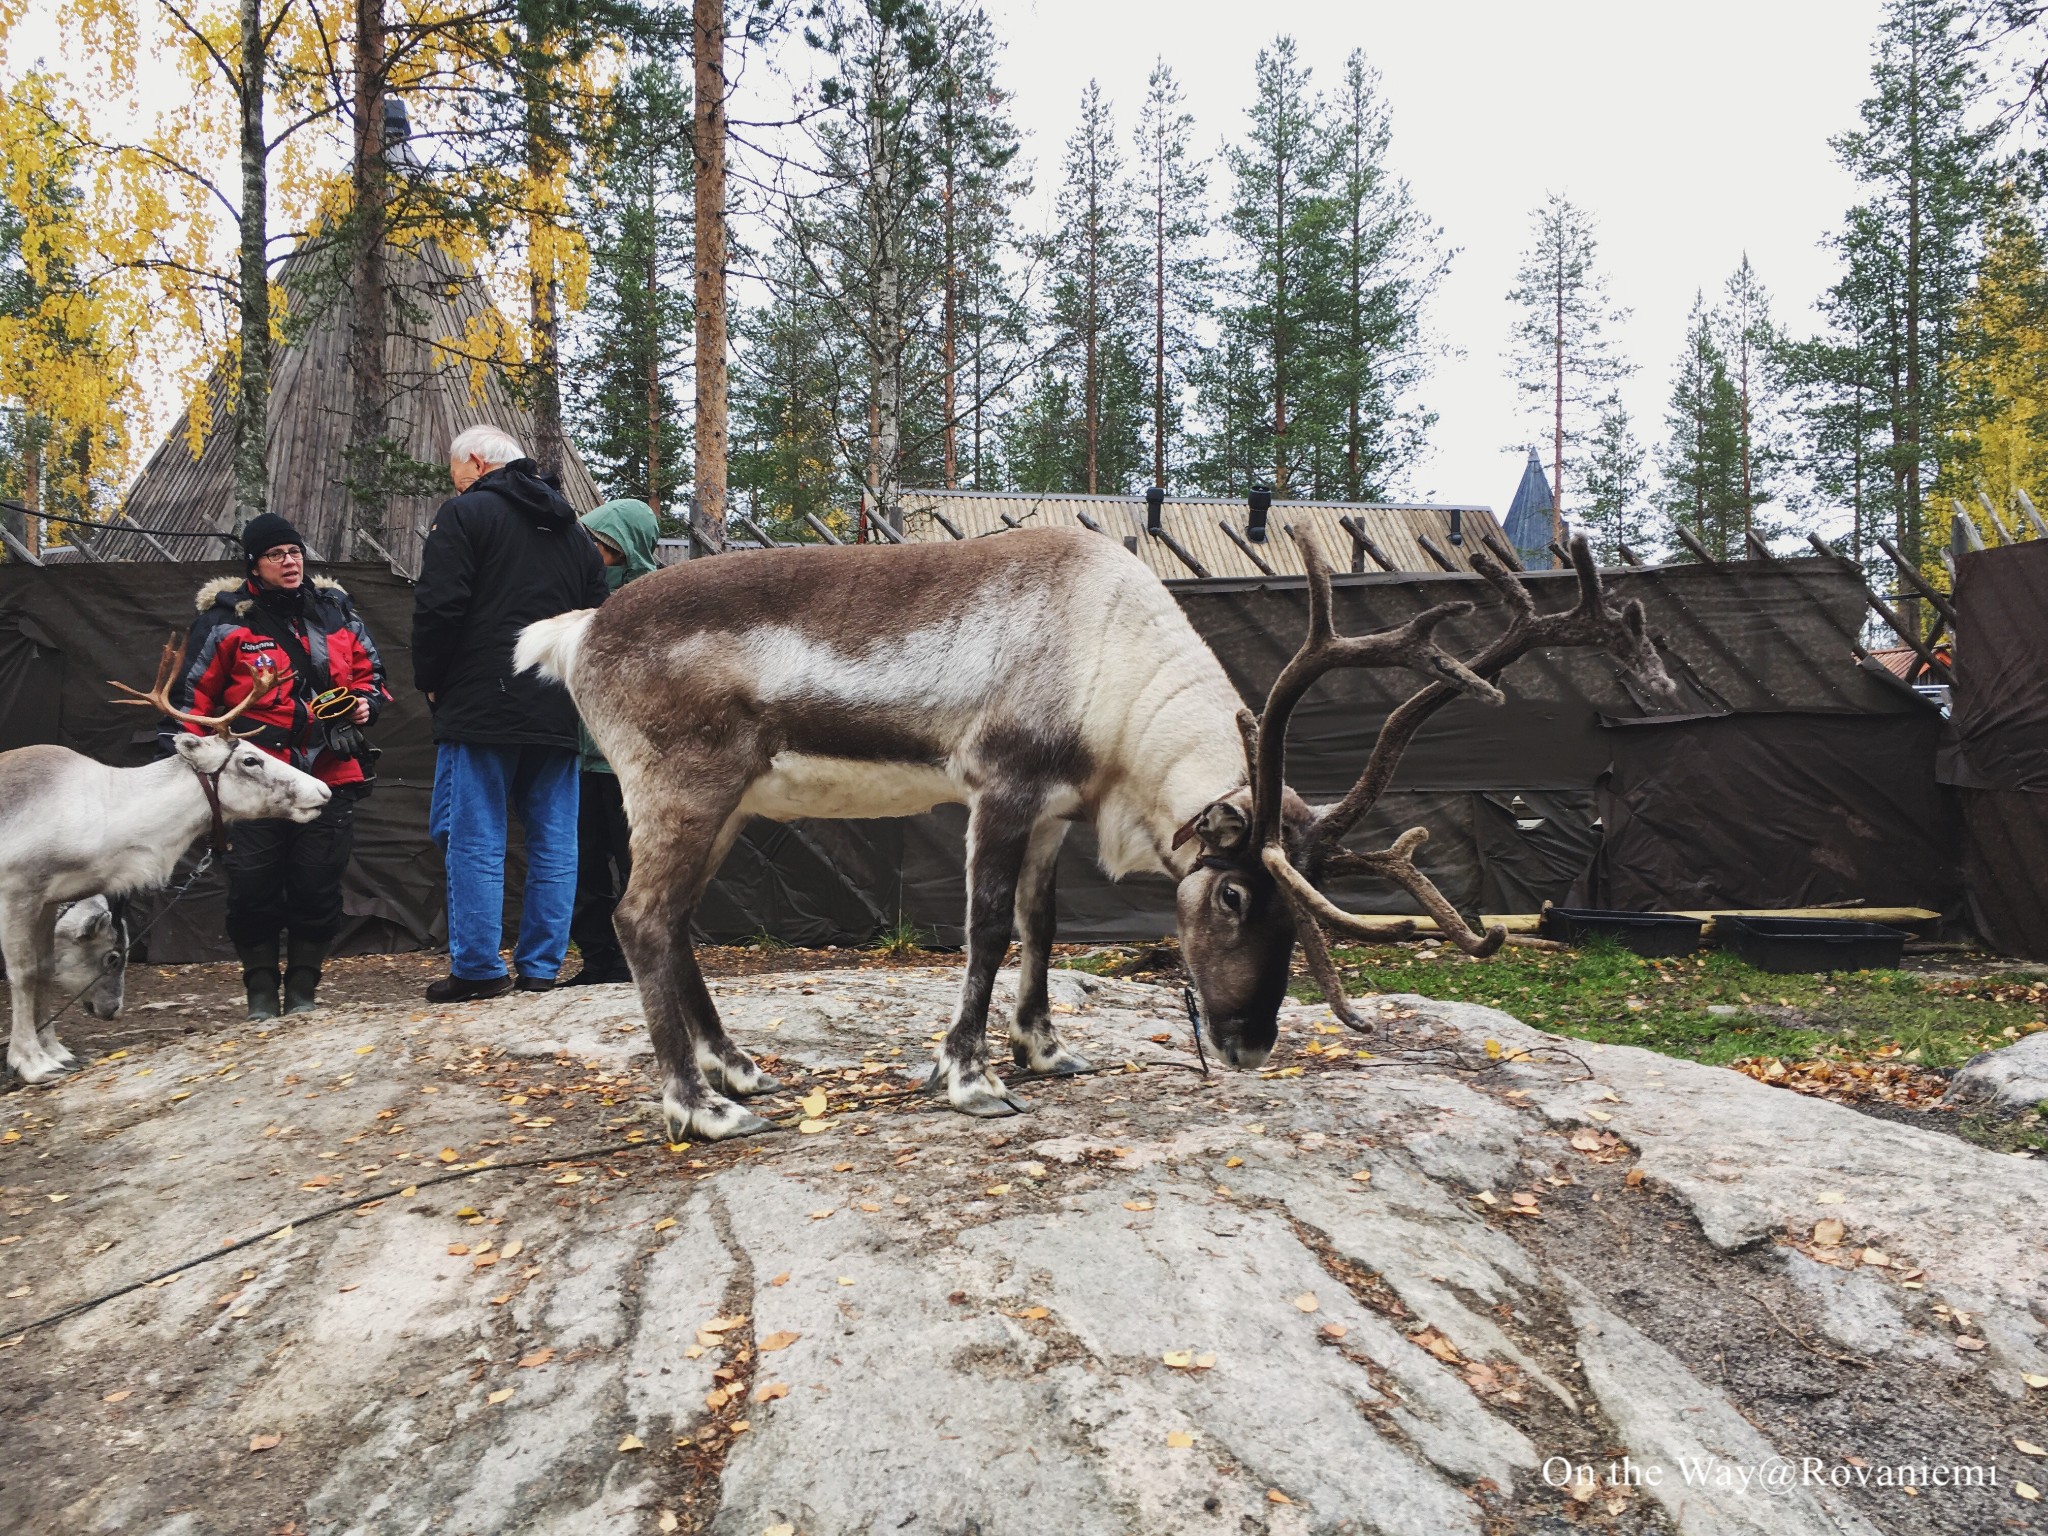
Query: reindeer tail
[{"x": 551, "y": 645}]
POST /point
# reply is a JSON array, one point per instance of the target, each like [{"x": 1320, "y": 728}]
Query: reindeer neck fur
[{"x": 137, "y": 822}]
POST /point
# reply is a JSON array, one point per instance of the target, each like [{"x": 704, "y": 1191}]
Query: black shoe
[
  {"x": 536, "y": 984},
  {"x": 302, "y": 974},
  {"x": 460, "y": 989},
  {"x": 260, "y": 979},
  {"x": 599, "y": 976}
]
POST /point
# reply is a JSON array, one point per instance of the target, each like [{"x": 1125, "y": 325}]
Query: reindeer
[
  {"x": 1041, "y": 677},
  {"x": 71, "y": 827}
]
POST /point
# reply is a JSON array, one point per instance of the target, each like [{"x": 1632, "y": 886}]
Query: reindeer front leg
[
  {"x": 999, "y": 835},
  {"x": 28, "y": 931},
  {"x": 1034, "y": 1044}
]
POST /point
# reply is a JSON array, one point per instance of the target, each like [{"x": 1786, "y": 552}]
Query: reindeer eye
[
  {"x": 1233, "y": 897},
  {"x": 112, "y": 962}
]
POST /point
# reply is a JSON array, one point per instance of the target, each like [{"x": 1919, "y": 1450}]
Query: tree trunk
[
  {"x": 709, "y": 141},
  {"x": 652, "y": 342},
  {"x": 1159, "y": 310},
  {"x": 1909, "y": 505},
  {"x": 368, "y": 281},
  {"x": 32, "y": 494},
  {"x": 543, "y": 291},
  {"x": 252, "y": 385},
  {"x": 1557, "y": 432},
  {"x": 951, "y": 362},
  {"x": 1279, "y": 326},
  {"x": 1353, "y": 478},
  {"x": 1091, "y": 399}
]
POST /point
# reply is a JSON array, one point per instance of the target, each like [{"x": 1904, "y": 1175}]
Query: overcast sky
[{"x": 1692, "y": 133}]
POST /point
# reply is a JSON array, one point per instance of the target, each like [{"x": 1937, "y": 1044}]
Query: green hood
[{"x": 629, "y": 527}]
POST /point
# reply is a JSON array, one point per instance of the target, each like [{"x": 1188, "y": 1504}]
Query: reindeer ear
[{"x": 1221, "y": 826}]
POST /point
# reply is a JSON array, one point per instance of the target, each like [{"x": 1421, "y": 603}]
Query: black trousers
[
  {"x": 287, "y": 874},
  {"x": 604, "y": 861}
]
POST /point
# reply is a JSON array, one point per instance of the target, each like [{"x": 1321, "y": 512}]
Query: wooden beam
[
  {"x": 953, "y": 528},
  {"x": 1179, "y": 553},
  {"x": 1362, "y": 540},
  {"x": 818, "y": 527},
  {"x": 1905, "y": 632},
  {"x": 1238, "y": 539},
  {"x": 748, "y": 525},
  {"x": 2005, "y": 534},
  {"x": 16, "y": 548},
  {"x": 1429, "y": 548},
  {"x": 1561, "y": 555},
  {"x": 2027, "y": 506},
  {"x": 1825, "y": 549},
  {"x": 1920, "y": 584},
  {"x": 1083, "y": 519},
  {"x": 1628, "y": 556},
  {"x": 881, "y": 525},
  {"x": 1758, "y": 549},
  {"x": 1501, "y": 551},
  {"x": 1691, "y": 541}
]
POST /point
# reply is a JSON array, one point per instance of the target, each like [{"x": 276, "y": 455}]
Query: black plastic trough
[
  {"x": 1650, "y": 934},
  {"x": 1803, "y": 944}
]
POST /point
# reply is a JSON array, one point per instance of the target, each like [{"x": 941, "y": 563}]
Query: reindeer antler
[
  {"x": 1622, "y": 633},
  {"x": 1411, "y": 645},
  {"x": 159, "y": 695}
]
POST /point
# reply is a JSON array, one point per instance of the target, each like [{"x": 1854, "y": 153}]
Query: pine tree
[
  {"x": 1388, "y": 263},
  {"x": 1912, "y": 245},
  {"x": 1280, "y": 221},
  {"x": 1097, "y": 301},
  {"x": 1701, "y": 465},
  {"x": 1613, "y": 511},
  {"x": 1564, "y": 361},
  {"x": 1171, "y": 187},
  {"x": 632, "y": 344},
  {"x": 1754, "y": 347}
]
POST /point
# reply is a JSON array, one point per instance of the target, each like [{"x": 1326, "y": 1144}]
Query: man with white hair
[{"x": 502, "y": 552}]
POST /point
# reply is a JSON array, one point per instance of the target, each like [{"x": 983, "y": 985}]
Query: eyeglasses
[{"x": 283, "y": 553}]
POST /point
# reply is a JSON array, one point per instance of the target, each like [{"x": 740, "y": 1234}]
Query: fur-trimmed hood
[{"x": 212, "y": 592}]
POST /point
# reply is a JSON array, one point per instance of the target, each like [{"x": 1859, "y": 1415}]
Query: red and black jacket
[{"x": 232, "y": 640}]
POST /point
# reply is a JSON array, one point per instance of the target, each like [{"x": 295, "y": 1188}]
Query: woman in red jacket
[{"x": 282, "y": 874}]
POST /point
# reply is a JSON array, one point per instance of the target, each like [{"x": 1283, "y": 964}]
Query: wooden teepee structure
[{"x": 436, "y": 392}]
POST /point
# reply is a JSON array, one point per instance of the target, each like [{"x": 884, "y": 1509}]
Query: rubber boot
[
  {"x": 260, "y": 978},
  {"x": 302, "y": 974}
]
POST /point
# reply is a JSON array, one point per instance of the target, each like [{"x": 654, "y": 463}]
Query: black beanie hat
[{"x": 266, "y": 532}]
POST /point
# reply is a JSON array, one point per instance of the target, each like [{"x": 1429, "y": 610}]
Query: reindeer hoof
[
  {"x": 39, "y": 1065},
  {"x": 716, "y": 1119},
  {"x": 986, "y": 1097},
  {"x": 1055, "y": 1062},
  {"x": 742, "y": 1079}
]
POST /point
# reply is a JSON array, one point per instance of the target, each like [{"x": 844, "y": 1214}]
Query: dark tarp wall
[
  {"x": 1996, "y": 749},
  {"x": 1512, "y": 797},
  {"x": 1792, "y": 810}
]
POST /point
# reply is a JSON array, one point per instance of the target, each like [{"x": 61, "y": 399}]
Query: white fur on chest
[{"x": 837, "y": 788}]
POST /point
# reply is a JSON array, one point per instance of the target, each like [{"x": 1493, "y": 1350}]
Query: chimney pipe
[
  {"x": 1261, "y": 502},
  {"x": 1155, "y": 500},
  {"x": 1457, "y": 525}
]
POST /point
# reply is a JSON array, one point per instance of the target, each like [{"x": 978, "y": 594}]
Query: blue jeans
[{"x": 473, "y": 788}]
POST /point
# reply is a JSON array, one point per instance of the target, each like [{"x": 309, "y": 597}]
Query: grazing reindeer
[
  {"x": 1040, "y": 677},
  {"x": 70, "y": 826}
]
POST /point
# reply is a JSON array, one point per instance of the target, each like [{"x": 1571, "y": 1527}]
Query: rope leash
[{"x": 205, "y": 863}]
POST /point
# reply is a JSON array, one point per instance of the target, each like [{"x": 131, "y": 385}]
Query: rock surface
[
  {"x": 2013, "y": 1077},
  {"x": 1440, "y": 1290}
]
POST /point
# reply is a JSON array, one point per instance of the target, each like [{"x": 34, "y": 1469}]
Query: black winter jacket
[{"x": 498, "y": 556}]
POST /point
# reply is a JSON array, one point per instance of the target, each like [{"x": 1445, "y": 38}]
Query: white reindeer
[
  {"x": 71, "y": 827},
  {"x": 1041, "y": 677}
]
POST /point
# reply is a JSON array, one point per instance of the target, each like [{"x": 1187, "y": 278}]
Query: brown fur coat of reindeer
[{"x": 1039, "y": 677}]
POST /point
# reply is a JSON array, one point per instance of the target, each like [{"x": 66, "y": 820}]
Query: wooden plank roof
[
  {"x": 1196, "y": 524},
  {"x": 435, "y": 394}
]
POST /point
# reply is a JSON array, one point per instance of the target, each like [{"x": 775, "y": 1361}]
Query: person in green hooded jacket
[{"x": 625, "y": 532}]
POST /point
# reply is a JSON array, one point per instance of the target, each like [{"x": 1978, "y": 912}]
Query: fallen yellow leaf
[
  {"x": 812, "y": 1104},
  {"x": 1635, "y": 1177},
  {"x": 1827, "y": 1233},
  {"x": 264, "y": 1442},
  {"x": 512, "y": 1250},
  {"x": 1828, "y": 1197},
  {"x": 448, "y": 1154},
  {"x": 1599, "y": 1114},
  {"x": 1493, "y": 1050},
  {"x": 119, "y": 1397},
  {"x": 1137, "y": 1205},
  {"x": 1233, "y": 1162},
  {"x": 1306, "y": 1302},
  {"x": 1179, "y": 1359},
  {"x": 1364, "y": 1175},
  {"x": 632, "y": 1443},
  {"x": 722, "y": 1324},
  {"x": 824, "y": 1215},
  {"x": 1333, "y": 1330},
  {"x": 769, "y": 1391},
  {"x": 502, "y": 1395},
  {"x": 778, "y": 1341},
  {"x": 571, "y": 1177},
  {"x": 1274, "y": 1495},
  {"x": 664, "y": 1224},
  {"x": 2026, "y": 1491},
  {"x": 2025, "y": 1447},
  {"x": 812, "y": 1127},
  {"x": 458, "y": 1249},
  {"x": 538, "y": 1357},
  {"x": 1179, "y": 1440},
  {"x": 2038, "y": 1383}
]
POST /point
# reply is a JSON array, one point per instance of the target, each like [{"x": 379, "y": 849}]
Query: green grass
[
  {"x": 1604, "y": 993},
  {"x": 902, "y": 940}
]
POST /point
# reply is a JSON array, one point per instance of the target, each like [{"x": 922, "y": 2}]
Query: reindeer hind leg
[
  {"x": 672, "y": 862},
  {"x": 28, "y": 939}
]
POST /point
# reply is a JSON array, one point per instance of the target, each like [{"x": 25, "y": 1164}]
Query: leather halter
[{"x": 217, "y": 839}]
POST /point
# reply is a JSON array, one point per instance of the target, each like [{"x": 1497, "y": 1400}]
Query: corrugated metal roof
[
  {"x": 310, "y": 416},
  {"x": 1196, "y": 523}
]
